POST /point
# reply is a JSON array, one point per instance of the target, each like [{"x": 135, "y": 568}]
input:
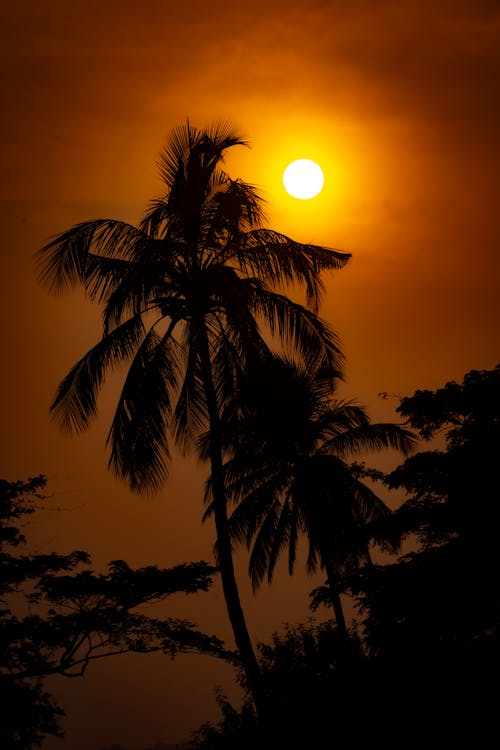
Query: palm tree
[
  {"x": 289, "y": 473},
  {"x": 184, "y": 296}
]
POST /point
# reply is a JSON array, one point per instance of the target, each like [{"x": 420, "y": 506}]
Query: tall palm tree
[
  {"x": 290, "y": 473},
  {"x": 184, "y": 295}
]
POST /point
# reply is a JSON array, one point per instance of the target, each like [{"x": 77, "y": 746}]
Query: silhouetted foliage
[
  {"x": 436, "y": 612},
  {"x": 29, "y": 714},
  {"x": 428, "y": 638},
  {"x": 54, "y": 620},
  {"x": 313, "y": 698},
  {"x": 458, "y": 485},
  {"x": 443, "y": 596},
  {"x": 299, "y": 672}
]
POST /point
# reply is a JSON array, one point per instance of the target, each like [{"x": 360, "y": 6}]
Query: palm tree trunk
[
  {"x": 224, "y": 549},
  {"x": 337, "y": 608}
]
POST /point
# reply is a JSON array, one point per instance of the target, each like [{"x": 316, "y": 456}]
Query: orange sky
[{"x": 400, "y": 104}]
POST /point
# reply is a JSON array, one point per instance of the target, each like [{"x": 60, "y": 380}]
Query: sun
[{"x": 303, "y": 179}]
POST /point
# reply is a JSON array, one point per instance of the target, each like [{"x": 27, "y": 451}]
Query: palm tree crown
[{"x": 199, "y": 259}]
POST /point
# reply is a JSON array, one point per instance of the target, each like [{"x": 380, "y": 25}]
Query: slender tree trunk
[
  {"x": 338, "y": 609},
  {"x": 224, "y": 549}
]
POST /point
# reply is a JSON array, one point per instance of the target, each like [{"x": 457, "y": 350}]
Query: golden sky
[{"x": 399, "y": 102}]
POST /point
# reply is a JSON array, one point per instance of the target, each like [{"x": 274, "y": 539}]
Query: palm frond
[
  {"x": 188, "y": 144},
  {"x": 369, "y": 507},
  {"x": 245, "y": 518},
  {"x": 190, "y": 418},
  {"x": 157, "y": 218},
  {"x": 62, "y": 263},
  {"x": 138, "y": 434},
  {"x": 266, "y": 546},
  {"x": 224, "y": 133},
  {"x": 236, "y": 341},
  {"x": 172, "y": 157},
  {"x": 338, "y": 418},
  {"x": 233, "y": 208},
  {"x": 76, "y": 398},
  {"x": 227, "y": 361},
  {"x": 377, "y": 520},
  {"x": 279, "y": 260},
  {"x": 104, "y": 275},
  {"x": 314, "y": 556},
  {"x": 140, "y": 288},
  {"x": 255, "y": 495},
  {"x": 371, "y": 437},
  {"x": 296, "y": 326},
  {"x": 284, "y": 532}
]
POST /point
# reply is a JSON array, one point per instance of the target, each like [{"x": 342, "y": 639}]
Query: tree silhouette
[
  {"x": 458, "y": 484},
  {"x": 184, "y": 295},
  {"x": 54, "y": 620},
  {"x": 434, "y": 613},
  {"x": 290, "y": 475},
  {"x": 311, "y": 697}
]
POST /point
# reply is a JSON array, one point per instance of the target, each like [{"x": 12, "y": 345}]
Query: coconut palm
[
  {"x": 184, "y": 296},
  {"x": 290, "y": 473}
]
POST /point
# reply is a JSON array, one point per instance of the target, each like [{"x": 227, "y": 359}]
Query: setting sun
[{"x": 303, "y": 179}]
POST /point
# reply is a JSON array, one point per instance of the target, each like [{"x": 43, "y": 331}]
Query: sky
[{"x": 399, "y": 102}]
